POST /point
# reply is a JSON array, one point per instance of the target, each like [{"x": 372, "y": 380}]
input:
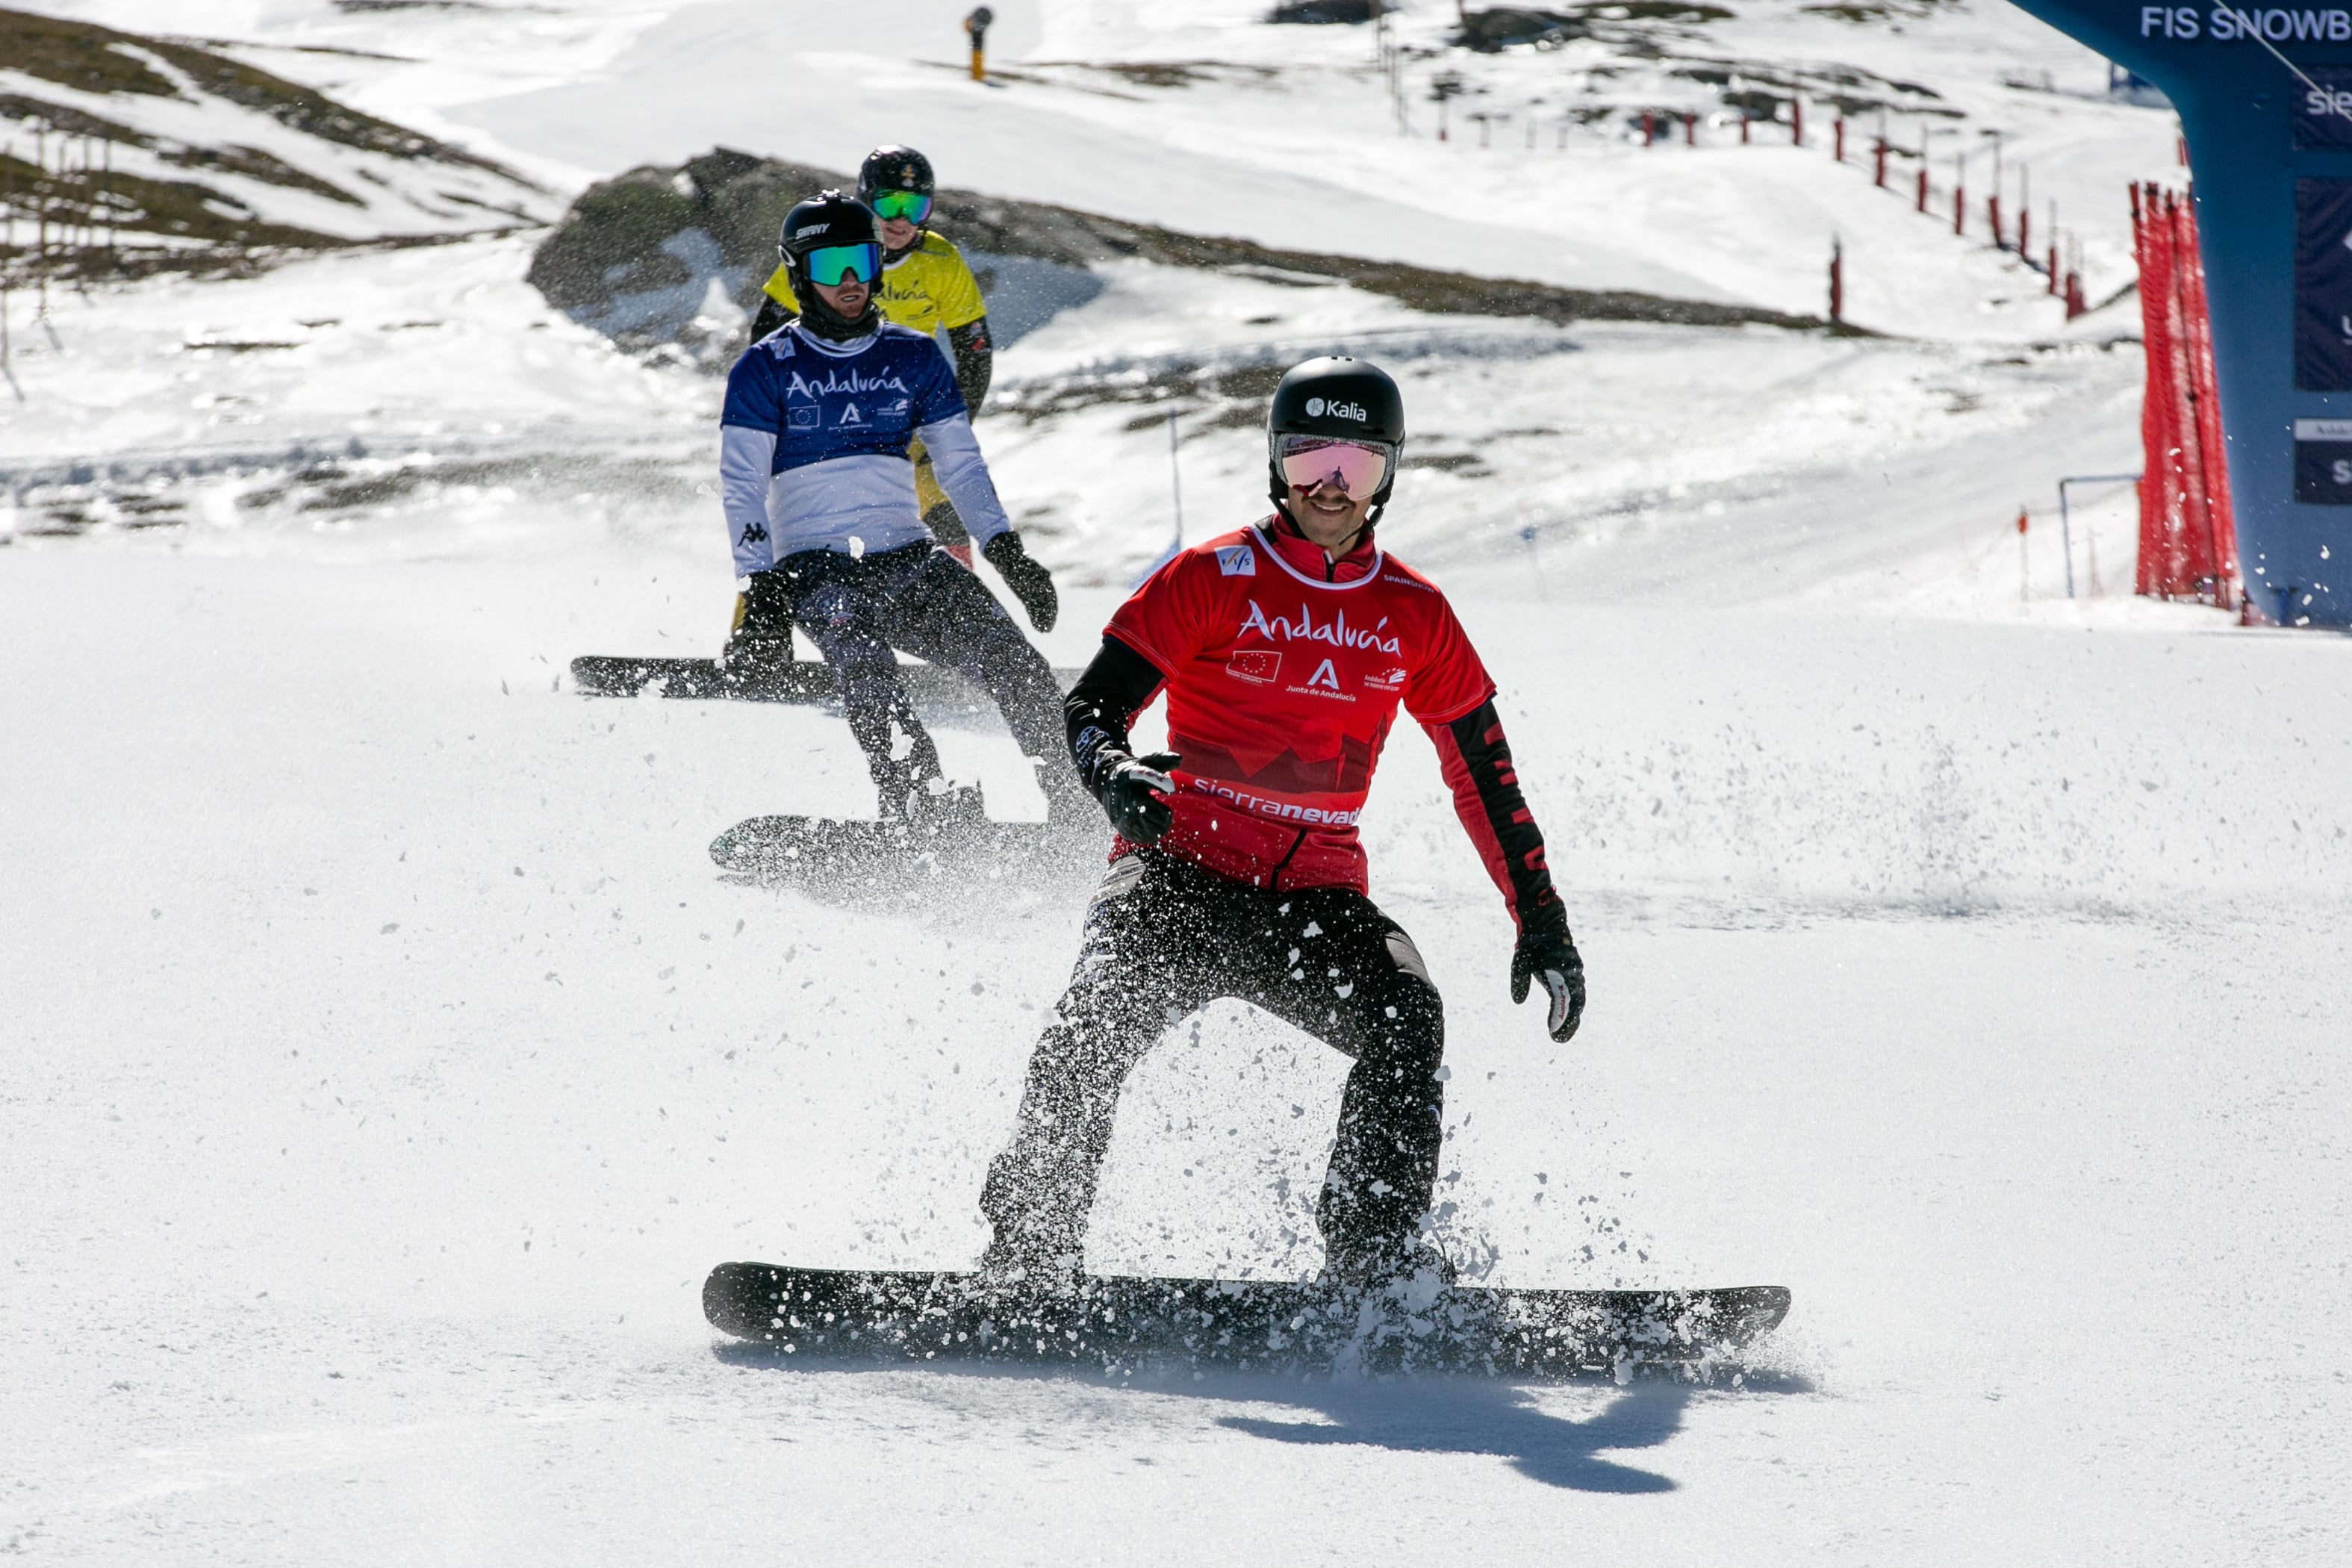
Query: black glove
[
  {"x": 1551, "y": 952},
  {"x": 1031, "y": 583},
  {"x": 1131, "y": 790},
  {"x": 764, "y": 608}
]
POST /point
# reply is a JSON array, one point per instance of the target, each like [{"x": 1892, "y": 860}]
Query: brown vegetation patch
[
  {"x": 312, "y": 114},
  {"x": 256, "y": 164},
  {"x": 72, "y": 121},
  {"x": 78, "y": 55},
  {"x": 181, "y": 209}
]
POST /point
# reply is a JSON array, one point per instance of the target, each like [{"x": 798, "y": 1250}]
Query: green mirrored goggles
[{"x": 900, "y": 206}]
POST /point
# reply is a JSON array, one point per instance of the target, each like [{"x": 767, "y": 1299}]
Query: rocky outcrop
[{"x": 678, "y": 255}]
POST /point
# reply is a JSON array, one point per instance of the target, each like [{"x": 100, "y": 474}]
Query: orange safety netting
[{"x": 2188, "y": 542}]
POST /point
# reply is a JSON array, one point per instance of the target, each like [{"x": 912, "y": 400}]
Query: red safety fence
[{"x": 2188, "y": 542}]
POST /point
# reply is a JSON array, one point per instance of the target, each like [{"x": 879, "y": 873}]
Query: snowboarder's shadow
[
  {"x": 1457, "y": 1417},
  {"x": 1436, "y": 1414}
]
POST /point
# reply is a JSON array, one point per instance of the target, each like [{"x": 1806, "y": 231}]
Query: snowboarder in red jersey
[{"x": 1285, "y": 650}]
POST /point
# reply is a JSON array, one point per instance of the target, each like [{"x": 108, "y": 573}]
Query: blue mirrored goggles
[{"x": 829, "y": 264}]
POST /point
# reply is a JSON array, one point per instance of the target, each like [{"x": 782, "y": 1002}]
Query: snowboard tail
[
  {"x": 1115, "y": 1321},
  {"x": 786, "y": 849},
  {"x": 755, "y": 679}
]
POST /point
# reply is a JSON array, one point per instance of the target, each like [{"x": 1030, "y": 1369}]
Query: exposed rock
[{"x": 636, "y": 255}]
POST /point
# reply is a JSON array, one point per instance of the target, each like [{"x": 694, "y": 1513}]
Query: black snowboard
[
  {"x": 1242, "y": 1325},
  {"x": 756, "y": 679},
  {"x": 819, "y": 850}
]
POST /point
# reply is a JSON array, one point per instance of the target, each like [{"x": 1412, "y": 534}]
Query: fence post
[{"x": 1837, "y": 281}]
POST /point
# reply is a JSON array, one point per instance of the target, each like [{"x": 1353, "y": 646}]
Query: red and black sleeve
[
  {"x": 1477, "y": 763},
  {"x": 1114, "y": 689},
  {"x": 974, "y": 362}
]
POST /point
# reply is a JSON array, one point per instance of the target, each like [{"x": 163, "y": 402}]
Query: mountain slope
[{"x": 141, "y": 149}]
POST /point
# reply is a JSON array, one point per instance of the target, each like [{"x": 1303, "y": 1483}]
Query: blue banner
[
  {"x": 2323, "y": 285},
  {"x": 2323, "y": 110}
]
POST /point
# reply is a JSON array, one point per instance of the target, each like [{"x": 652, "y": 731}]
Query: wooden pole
[{"x": 41, "y": 264}]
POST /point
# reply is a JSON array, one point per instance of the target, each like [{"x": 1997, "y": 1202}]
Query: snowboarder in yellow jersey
[{"x": 925, "y": 285}]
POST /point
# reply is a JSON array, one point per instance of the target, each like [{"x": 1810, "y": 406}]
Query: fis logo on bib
[
  {"x": 1237, "y": 561},
  {"x": 1317, "y": 408}
]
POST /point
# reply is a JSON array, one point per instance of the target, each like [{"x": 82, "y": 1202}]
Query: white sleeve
[
  {"x": 746, "y": 458},
  {"x": 963, "y": 474}
]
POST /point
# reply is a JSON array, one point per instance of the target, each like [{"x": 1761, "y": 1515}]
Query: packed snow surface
[{"x": 388, "y": 1064}]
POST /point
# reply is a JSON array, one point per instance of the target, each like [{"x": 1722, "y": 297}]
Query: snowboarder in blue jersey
[{"x": 820, "y": 502}]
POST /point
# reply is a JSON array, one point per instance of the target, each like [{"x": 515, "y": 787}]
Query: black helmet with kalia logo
[{"x": 1339, "y": 399}]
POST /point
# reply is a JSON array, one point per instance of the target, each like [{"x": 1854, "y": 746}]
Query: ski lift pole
[
  {"x": 976, "y": 24},
  {"x": 1175, "y": 484}
]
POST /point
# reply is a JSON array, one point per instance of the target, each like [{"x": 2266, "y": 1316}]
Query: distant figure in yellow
[{"x": 925, "y": 285}]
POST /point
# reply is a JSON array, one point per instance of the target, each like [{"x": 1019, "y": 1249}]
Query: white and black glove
[
  {"x": 1134, "y": 791},
  {"x": 1031, "y": 583},
  {"x": 1548, "y": 949}
]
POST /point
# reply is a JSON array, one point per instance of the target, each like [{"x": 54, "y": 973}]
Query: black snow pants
[
  {"x": 1162, "y": 938},
  {"x": 857, "y": 609}
]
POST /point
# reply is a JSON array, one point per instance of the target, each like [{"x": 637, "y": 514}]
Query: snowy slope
[
  {"x": 1288, "y": 135},
  {"x": 205, "y": 152},
  {"x": 387, "y": 1065},
  {"x": 1611, "y": 462},
  {"x": 387, "y": 1069}
]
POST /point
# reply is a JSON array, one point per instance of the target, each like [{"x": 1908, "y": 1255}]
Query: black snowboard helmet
[
  {"x": 827, "y": 218},
  {"x": 894, "y": 168},
  {"x": 1344, "y": 400}
]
